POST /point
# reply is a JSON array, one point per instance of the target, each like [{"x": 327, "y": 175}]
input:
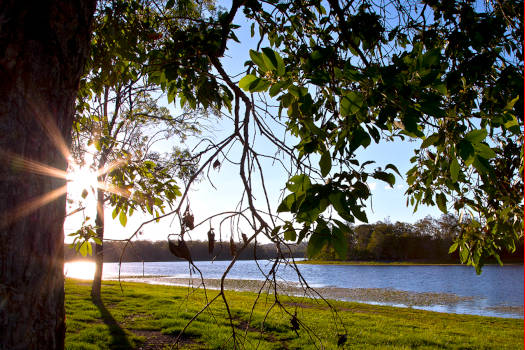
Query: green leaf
[
  {"x": 454, "y": 170},
  {"x": 394, "y": 168},
  {"x": 83, "y": 249},
  {"x": 290, "y": 235},
  {"x": 374, "y": 133},
  {"x": 463, "y": 254},
  {"x": 302, "y": 234},
  {"x": 115, "y": 212},
  {"x": 325, "y": 163},
  {"x": 338, "y": 201},
  {"x": 482, "y": 165},
  {"x": 258, "y": 59},
  {"x": 430, "y": 141},
  {"x": 278, "y": 87},
  {"x": 476, "y": 136},
  {"x": 123, "y": 218},
  {"x": 339, "y": 243},
  {"x": 274, "y": 60},
  {"x": 286, "y": 204},
  {"x": 386, "y": 177},
  {"x": 359, "y": 138},
  {"x": 466, "y": 151},
  {"x": 441, "y": 201},
  {"x": 358, "y": 213},
  {"x": 298, "y": 183},
  {"x": 316, "y": 242},
  {"x": 259, "y": 85},
  {"x": 253, "y": 84},
  {"x": 511, "y": 123},
  {"x": 431, "y": 57},
  {"x": 484, "y": 151},
  {"x": 245, "y": 82},
  {"x": 453, "y": 248},
  {"x": 351, "y": 103},
  {"x": 411, "y": 122},
  {"x": 361, "y": 190}
]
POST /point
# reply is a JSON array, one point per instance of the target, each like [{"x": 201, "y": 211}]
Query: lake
[{"x": 498, "y": 291}]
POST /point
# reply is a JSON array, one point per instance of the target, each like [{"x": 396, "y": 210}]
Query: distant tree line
[
  {"x": 427, "y": 240},
  {"x": 143, "y": 250}
]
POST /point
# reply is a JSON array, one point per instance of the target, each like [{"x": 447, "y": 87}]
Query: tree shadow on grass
[{"x": 119, "y": 338}]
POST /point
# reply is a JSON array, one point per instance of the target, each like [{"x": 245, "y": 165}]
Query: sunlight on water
[{"x": 80, "y": 269}]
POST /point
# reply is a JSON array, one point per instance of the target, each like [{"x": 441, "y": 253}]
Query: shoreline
[
  {"x": 429, "y": 301},
  {"x": 390, "y": 263}
]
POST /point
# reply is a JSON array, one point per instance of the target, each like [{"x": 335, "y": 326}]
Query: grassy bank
[{"x": 151, "y": 316}]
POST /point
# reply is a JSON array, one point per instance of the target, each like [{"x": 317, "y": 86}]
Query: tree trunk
[
  {"x": 99, "y": 249},
  {"x": 99, "y": 223},
  {"x": 43, "y": 47}
]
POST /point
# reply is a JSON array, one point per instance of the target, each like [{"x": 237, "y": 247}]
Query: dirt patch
[
  {"x": 302, "y": 305},
  {"x": 243, "y": 326},
  {"x": 156, "y": 340}
]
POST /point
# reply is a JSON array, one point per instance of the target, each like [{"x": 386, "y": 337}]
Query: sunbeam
[
  {"x": 81, "y": 176},
  {"x": 32, "y": 205},
  {"x": 32, "y": 166},
  {"x": 46, "y": 120}
]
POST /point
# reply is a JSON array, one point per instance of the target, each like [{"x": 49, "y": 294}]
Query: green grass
[{"x": 151, "y": 316}]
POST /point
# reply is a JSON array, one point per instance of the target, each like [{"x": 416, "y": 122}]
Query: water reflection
[{"x": 80, "y": 269}]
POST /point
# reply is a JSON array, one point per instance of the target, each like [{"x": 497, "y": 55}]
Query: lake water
[{"x": 498, "y": 291}]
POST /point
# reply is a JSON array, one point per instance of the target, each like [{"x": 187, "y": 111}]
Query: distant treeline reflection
[{"x": 427, "y": 240}]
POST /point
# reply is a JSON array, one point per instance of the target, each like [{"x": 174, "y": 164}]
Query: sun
[
  {"x": 82, "y": 182},
  {"x": 80, "y": 269}
]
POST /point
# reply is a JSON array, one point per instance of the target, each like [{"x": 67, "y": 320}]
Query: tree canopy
[{"x": 341, "y": 75}]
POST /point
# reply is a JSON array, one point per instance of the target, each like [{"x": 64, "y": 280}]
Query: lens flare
[{"x": 82, "y": 176}]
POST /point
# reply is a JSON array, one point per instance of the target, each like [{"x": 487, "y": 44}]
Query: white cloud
[{"x": 372, "y": 185}]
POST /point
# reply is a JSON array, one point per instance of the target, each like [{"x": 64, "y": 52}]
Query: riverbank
[
  {"x": 390, "y": 263},
  {"x": 373, "y": 295},
  {"x": 145, "y": 316}
]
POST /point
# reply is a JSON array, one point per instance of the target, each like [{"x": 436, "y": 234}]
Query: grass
[{"x": 145, "y": 316}]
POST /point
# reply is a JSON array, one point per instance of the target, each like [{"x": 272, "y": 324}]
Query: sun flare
[
  {"x": 80, "y": 180},
  {"x": 80, "y": 269}
]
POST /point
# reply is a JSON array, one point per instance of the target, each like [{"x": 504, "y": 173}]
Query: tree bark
[
  {"x": 99, "y": 249},
  {"x": 99, "y": 223},
  {"x": 43, "y": 47}
]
